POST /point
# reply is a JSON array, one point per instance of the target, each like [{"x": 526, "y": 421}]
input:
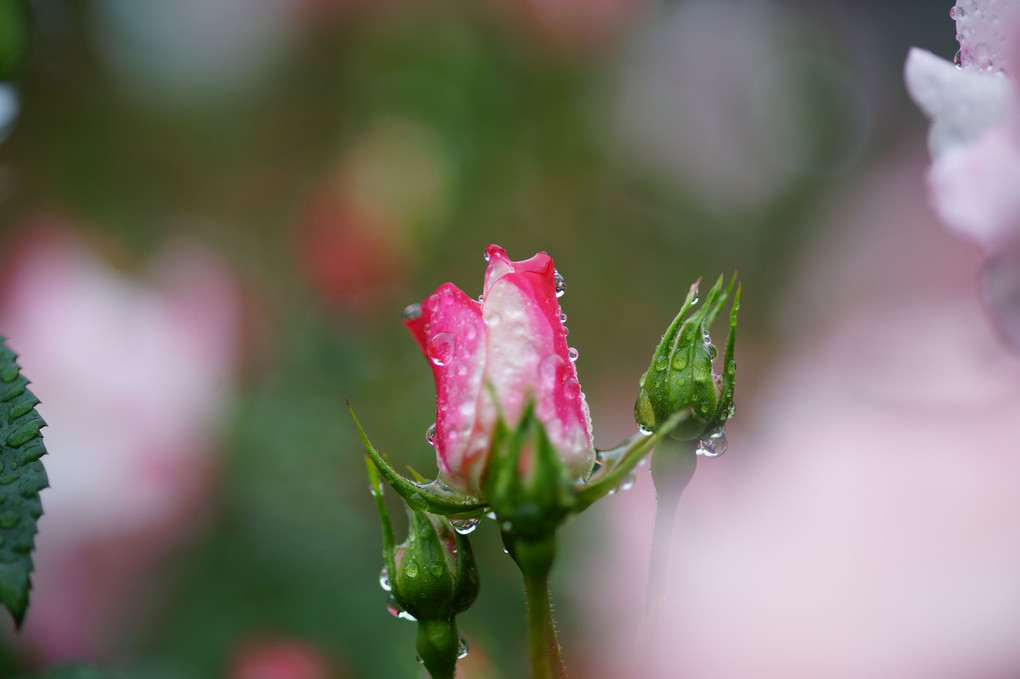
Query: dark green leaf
[{"x": 22, "y": 476}]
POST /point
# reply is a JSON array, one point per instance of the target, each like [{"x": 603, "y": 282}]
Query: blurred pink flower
[
  {"x": 281, "y": 659},
  {"x": 135, "y": 378},
  {"x": 975, "y": 132},
  {"x": 491, "y": 356},
  {"x": 871, "y": 528}
]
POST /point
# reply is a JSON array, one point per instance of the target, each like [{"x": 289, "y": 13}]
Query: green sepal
[
  {"x": 680, "y": 374},
  {"x": 433, "y": 497},
  {"x": 526, "y": 483},
  {"x": 22, "y": 476}
]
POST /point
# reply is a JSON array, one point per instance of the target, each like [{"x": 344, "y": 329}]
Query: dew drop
[
  {"x": 572, "y": 353},
  {"x": 485, "y": 255},
  {"x": 397, "y": 611},
  {"x": 572, "y": 389},
  {"x": 661, "y": 362},
  {"x": 713, "y": 444},
  {"x": 462, "y": 649},
  {"x": 430, "y": 434},
  {"x": 958, "y": 58},
  {"x": 490, "y": 515},
  {"x": 548, "y": 367},
  {"x": 680, "y": 360},
  {"x": 411, "y": 569},
  {"x": 470, "y": 332},
  {"x": 384, "y": 580},
  {"x": 644, "y": 431},
  {"x": 411, "y": 312},
  {"x": 440, "y": 348},
  {"x": 561, "y": 284},
  {"x": 465, "y": 526},
  {"x": 956, "y": 12},
  {"x": 563, "y": 317}
]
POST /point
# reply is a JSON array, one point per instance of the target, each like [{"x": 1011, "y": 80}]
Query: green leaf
[{"x": 22, "y": 476}]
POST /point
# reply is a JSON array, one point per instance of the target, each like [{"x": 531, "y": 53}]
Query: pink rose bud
[{"x": 493, "y": 357}]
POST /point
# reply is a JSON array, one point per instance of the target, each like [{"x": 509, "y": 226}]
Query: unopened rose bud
[{"x": 682, "y": 373}]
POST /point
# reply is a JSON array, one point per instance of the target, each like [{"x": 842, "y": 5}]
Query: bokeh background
[{"x": 213, "y": 213}]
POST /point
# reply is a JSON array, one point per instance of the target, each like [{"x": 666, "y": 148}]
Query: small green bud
[
  {"x": 682, "y": 375},
  {"x": 526, "y": 484},
  {"x": 434, "y": 569}
]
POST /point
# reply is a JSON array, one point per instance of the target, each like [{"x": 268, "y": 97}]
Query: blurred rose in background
[{"x": 136, "y": 375}]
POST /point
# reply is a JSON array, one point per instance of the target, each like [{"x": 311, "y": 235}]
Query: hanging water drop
[
  {"x": 956, "y": 12},
  {"x": 462, "y": 649},
  {"x": 430, "y": 434},
  {"x": 561, "y": 284},
  {"x": 485, "y": 255},
  {"x": 958, "y": 58},
  {"x": 397, "y": 611},
  {"x": 628, "y": 481},
  {"x": 713, "y": 443},
  {"x": 644, "y": 431},
  {"x": 411, "y": 312},
  {"x": 572, "y": 353},
  {"x": 384, "y": 580},
  {"x": 465, "y": 526},
  {"x": 563, "y": 317}
]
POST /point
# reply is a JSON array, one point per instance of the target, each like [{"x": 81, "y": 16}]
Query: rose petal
[
  {"x": 528, "y": 356},
  {"x": 451, "y": 334}
]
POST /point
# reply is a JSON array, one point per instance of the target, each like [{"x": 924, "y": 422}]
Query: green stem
[
  {"x": 673, "y": 465},
  {"x": 535, "y": 558},
  {"x": 438, "y": 645}
]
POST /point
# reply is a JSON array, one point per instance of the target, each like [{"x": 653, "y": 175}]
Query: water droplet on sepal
[{"x": 713, "y": 443}]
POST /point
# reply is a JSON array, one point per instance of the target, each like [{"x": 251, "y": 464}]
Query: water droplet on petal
[
  {"x": 462, "y": 649},
  {"x": 572, "y": 389},
  {"x": 411, "y": 312},
  {"x": 440, "y": 348},
  {"x": 486, "y": 255},
  {"x": 384, "y": 580},
  {"x": 548, "y": 367},
  {"x": 958, "y": 58},
  {"x": 465, "y": 526},
  {"x": 713, "y": 443},
  {"x": 561, "y": 284},
  {"x": 572, "y": 353},
  {"x": 563, "y": 317},
  {"x": 430, "y": 434},
  {"x": 956, "y": 12}
]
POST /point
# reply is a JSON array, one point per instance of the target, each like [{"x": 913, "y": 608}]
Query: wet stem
[{"x": 536, "y": 559}]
